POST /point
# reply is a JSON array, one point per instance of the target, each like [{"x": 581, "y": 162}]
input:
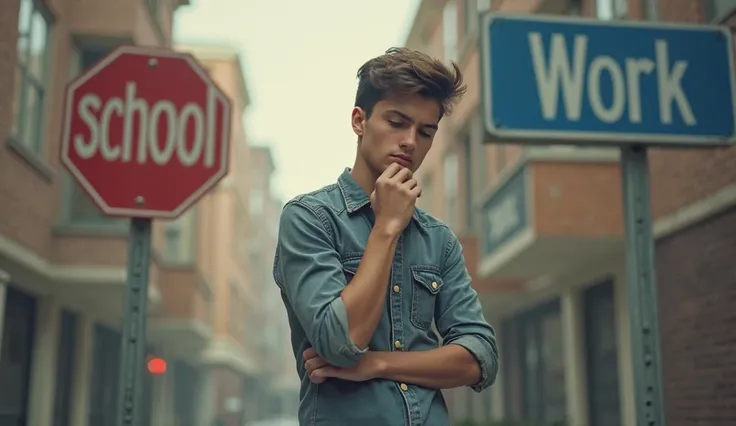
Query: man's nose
[{"x": 409, "y": 141}]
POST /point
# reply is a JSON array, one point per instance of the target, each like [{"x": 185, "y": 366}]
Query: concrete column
[
  {"x": 43, "y": 364},
  {"x": 623, "y": 346},
  {"x": 205, "y": 404},
  {"x": 83, "y": 363},
  {"x": 573, "y": 344},
  {"x": 163, "y": 399},
  {"x": 4, "y": 281}
]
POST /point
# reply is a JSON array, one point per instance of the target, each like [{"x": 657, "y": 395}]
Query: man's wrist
[
  {"x": 377, "y": 365},
  {"x": 385, "y": 233}
]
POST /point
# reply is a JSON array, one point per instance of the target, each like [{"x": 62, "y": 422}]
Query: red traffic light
[{"x": 156, "y": 365}]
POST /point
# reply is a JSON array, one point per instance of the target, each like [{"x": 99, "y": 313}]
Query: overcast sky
[{"x": 300, "y": 61}]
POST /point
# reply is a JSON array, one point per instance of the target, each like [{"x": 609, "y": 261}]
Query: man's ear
[{"x": 357, "y": 120}]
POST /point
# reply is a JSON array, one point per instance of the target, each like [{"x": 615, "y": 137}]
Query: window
[
  {"x": 575, "y": 7},
  {"x": 451, "y": 186},
  {"x": 612, "y": 9},
  {"x": 104, "y": 381},
  {"x": 717, "y": 10},
  {"x": 449, "y": 30},
  {"x": 31, "y": 75},
  {"x": 180, "y": 238},
  {"x": 80, "y": 208},
  {"x": 651, "y": 10},
  {"x": 65, "y": 368},
  {"x": 542, "y": 364},
  {"x": 153, "y": 9},
  {"x": 483, "y": 5}
]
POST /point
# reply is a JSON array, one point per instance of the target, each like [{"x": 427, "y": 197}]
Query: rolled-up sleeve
[
  {"x": 309, "y": 271},
  {"x": 460, "y": 319}
]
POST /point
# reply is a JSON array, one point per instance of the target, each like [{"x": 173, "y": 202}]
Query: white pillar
[
  {"x": 205, "y": 409},
  {"x": 573, "y": 344},
  {"x": 163, "y": 398},
  {"x": 625, "y": 360},
  {"x": 83, "y": 362},
  {"x": 43, "y": 363}
]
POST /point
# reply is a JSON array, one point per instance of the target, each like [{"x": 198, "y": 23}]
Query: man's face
[{"x": 399, "y": 130}]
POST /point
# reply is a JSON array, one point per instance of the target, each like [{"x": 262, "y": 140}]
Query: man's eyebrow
[{"x": 409, "y": 119}]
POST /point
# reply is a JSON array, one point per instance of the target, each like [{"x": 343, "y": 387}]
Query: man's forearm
[
  {"x": 365, "y": 294},
  {"x": 445, "y": 367}
]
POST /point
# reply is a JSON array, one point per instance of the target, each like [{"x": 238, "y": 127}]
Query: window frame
[{"x": 28, "y": 80}]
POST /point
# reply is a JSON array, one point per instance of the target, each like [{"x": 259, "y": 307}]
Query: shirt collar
[{"x": 354, "y": 196}]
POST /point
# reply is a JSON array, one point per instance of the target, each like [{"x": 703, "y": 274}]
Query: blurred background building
[
  {"x": 215, "y": 315},
  {"x": 542, "y": 232}
]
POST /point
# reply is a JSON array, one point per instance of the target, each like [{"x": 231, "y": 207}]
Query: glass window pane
[
  {"x": 30, "y": 120},
  {"x": 82, "y": 208},
  {"x": 604, "y": 9},
  {"x": 24, "y": 23},
  {"x": 38, "y": 41}
]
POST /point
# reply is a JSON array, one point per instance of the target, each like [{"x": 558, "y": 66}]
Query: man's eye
[
  {"x": 425, "y": 134},
  {"x": 394, "y": 123}
]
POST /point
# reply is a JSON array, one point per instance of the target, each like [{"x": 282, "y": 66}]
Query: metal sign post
[
  {"x": 625, "y": 84},
  {"x": 641, "y": 285},
  {"x": 145, "y": 133},
  {"x": 133, "y": 357}
]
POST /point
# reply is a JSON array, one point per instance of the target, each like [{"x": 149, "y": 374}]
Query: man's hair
[{"x": 403, "y": 71}]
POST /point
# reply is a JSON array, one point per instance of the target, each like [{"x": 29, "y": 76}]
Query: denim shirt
[{"x": 321, "y": 241}]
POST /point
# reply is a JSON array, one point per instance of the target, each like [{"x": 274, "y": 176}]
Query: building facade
[
  {"x": 542, "y": 232},
  {"x": 62, "y": 263},
  {"x": 279, "y": 386}
]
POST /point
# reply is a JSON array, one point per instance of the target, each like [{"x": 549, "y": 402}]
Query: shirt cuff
[
  {"x": 348, "y": 349},
  {"x": 483, "y": 353}
]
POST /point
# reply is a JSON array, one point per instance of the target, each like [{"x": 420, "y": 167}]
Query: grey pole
[
  {"x": 132, "y": 362},
  {"x": 642, "y": 287}
]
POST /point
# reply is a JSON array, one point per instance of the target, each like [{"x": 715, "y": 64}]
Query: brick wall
[
  {"x": 696, "y": 271},
  {"x": 697, "y": 293}
]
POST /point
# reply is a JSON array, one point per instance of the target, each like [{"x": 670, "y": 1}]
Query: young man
[{"x": 369, "y": 281}]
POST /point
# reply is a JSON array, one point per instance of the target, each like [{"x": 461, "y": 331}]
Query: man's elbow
[
  {"x": 483, "y": 367},
  {"x": 345, "y": 355},
  {"x": 332, "y": 338}
]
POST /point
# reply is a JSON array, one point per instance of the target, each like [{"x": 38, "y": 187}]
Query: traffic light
[{"x": 156, "y": 365}]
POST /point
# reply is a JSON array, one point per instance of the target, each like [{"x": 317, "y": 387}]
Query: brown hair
[{"x": 403, "y": 71}]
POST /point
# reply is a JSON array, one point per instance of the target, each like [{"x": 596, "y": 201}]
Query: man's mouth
[{"x": 402, "y": 160}]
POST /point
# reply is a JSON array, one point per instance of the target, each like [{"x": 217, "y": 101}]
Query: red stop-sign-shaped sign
[{"x": 146, "y": 132}]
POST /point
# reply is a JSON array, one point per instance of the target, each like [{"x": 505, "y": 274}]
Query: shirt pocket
[{"x": 426, "y": 285}]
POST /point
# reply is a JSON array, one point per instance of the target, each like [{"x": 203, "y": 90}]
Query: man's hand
[
  {"x": 394, "y": 197},
  {"x": 319, "y": 370}
]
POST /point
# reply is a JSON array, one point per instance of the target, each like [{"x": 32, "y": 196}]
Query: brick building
[
  {"x": 542, "y": 232},
  {"x": 62, "y": 263}
]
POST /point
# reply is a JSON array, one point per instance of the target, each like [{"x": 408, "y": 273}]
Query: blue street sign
[{"x": 582, "y": 81}]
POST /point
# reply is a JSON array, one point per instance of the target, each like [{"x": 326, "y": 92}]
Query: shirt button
[
  {"x": 434, "y": 284},
  {"x": 404, "y": 387},
  {"x": 396, "y": 289},
  {"x": 397, "y": 344}
]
